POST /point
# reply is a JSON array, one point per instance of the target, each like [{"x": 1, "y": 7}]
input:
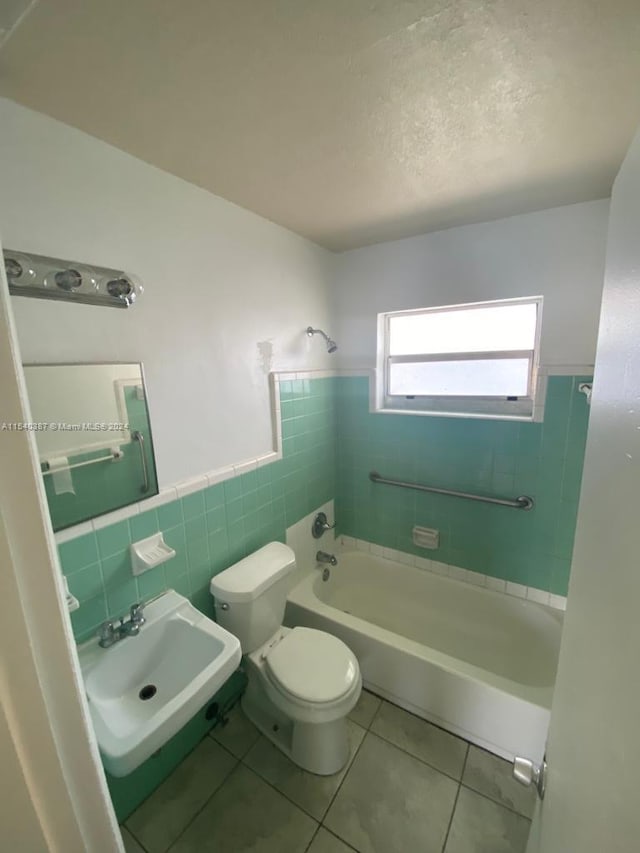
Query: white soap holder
[
  {"x": 72, "y": 601},
  {"x": 149, "y": 553}
]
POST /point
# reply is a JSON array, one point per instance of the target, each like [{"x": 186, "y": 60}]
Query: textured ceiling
[{"x": 348, "y": 121}]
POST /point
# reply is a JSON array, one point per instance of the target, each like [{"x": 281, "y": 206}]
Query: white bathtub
[{"x": 476, "y": 662}]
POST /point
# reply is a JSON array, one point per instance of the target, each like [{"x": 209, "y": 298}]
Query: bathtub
[{"x": 476, "y": 662}]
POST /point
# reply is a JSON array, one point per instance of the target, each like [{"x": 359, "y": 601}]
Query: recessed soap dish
[
  {"x": 149, "y": 553},
  {"x": 426, "y": 537}
]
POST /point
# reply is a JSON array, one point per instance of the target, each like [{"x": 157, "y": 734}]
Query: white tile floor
[{"x": 409, "y": 786}]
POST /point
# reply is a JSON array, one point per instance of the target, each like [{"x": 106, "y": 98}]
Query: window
[{"x": 479, "y": 359}]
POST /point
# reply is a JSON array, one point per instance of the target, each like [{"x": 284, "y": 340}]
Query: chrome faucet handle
[
  {"x": 106, "y": 634},
  {"x": 320, "y": 525},
  {"x": 135, "y": 613}
]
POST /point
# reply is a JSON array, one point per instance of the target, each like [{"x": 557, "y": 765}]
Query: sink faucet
[
  {"x": 323, "y": 557},
  {"x": 109, "y": 633}
]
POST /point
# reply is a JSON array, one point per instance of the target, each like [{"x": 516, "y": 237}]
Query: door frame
[{"x": 61, "y": 800}]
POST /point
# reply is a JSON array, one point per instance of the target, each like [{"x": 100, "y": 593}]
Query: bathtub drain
[{"x": 148, "y": 691}]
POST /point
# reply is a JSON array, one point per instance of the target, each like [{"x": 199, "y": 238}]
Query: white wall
[
  {"x": 75, "y": 395},
  {"x": 594, "y": 748},
  {"x": 558, "y": 253},
  {"x": 222, "y": 286}
]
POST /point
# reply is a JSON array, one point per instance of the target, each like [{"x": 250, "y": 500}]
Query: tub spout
[{"x": 323, "y": 557}]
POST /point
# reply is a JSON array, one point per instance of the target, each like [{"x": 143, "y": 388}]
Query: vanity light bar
[{"x": 52, "y": 278}]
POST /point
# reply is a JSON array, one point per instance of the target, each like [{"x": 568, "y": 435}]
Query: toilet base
[{"x": 320, "y": 748}]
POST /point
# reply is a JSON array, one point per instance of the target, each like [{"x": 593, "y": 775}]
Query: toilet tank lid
[{"x": 245, "y": 580}]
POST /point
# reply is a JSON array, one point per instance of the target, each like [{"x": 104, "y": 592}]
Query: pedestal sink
[{"x": 142, "y": 690}]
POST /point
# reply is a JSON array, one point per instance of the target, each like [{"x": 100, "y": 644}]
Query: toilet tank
[{"x": 250, "y": 596}]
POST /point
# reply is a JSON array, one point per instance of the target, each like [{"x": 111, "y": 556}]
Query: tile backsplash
[
  {"x": 503, "y": 458},
  {"x": 330, "y": 442},
  {"x": 210, "y": 528}
]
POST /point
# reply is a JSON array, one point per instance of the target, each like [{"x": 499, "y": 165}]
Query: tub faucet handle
[{"x": 320, "y": 525}]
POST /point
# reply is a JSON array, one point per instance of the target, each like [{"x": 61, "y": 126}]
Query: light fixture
[{"x": 42, "y": 277}]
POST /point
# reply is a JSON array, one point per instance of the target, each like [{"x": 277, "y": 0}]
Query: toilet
[{"x": 302, "y": 683}]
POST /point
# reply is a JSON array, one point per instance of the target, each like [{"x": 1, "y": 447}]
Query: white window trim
[{"x": 492, "y": 408}]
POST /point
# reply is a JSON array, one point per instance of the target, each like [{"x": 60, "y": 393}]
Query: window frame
[{"x": 495, "y": 407}]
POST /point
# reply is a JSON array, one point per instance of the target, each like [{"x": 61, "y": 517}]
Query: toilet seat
[{"x": 312, "y": 667}]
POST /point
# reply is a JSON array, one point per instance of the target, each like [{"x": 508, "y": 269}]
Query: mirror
[{"x": 93, "y": 433}]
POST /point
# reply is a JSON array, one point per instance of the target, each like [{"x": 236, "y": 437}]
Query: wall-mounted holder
[
  {"x": 426, "y": 537},
  {"x": 149, "y": 553},
  {"x": 586, "y": 388},
  {"x": 72, "y": 601}
]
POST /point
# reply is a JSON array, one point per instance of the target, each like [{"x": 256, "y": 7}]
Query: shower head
[{"x": 332, "y": 346}]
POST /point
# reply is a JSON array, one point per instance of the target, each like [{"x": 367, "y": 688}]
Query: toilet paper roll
[{"x": 61, "y": 475}]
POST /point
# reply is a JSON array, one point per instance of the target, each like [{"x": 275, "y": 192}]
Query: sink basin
[{"x": 142, "y": 690}]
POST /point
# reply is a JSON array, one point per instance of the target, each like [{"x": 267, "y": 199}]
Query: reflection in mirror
[{"x": 93, "y": 433}]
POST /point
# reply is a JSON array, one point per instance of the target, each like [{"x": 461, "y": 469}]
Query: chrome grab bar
[
  {"x": 521, "y": 502},
  {"x": 136, "y": 435}
]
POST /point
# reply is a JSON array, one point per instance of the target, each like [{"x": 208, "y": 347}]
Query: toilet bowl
[{"x": 302, "y": 683}]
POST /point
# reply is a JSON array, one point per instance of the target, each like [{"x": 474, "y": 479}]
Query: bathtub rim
[{"x": 303, "y": 595}]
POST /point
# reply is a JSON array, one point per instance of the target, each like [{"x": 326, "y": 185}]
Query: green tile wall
[
  {"x": 493, "y": 457},
  {"x": 215, "y": 527},
  {"x": 330, "y": 443}
]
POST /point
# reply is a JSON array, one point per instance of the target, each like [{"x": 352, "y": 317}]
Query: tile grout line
[
  {"x": 349, "y": 766},
  {"x": 496, "y": 802},
  {"x": 422, "y": 760},
  {"x": 481, "y": 793},
  {"x": 453, "y": 811},
  {"x": 135, "y": 837},
  {"x": 320, "y": 823},
  {"x": 469, "y": 744},
  {"x": 277, "y": 790},
  {"x": 203, "y": 807},
  {"x": 455, "y": 802},
  {"x": 191, "y": 751},
  {"x": 286, "y": 796},
  {"x": 464, "y": 763},
  {"x": 313, "y": 838},
  {"x": 336, "y": 792},
  {"x": 335, "y": 835}
]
